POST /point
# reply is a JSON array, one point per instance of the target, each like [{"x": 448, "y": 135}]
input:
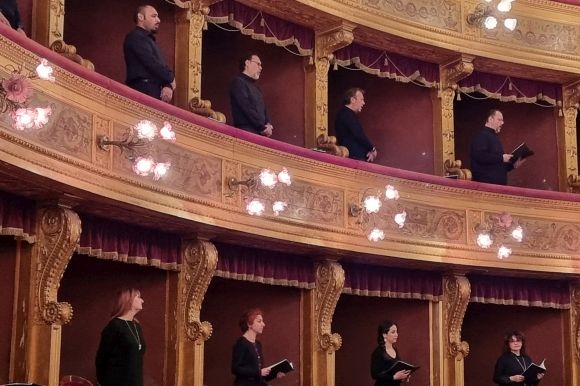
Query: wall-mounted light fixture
[
  {"x": 16, "y": 90},
  {"x": 489, "y": 13},
  {"x": 500, "y": 230},
  {"x": 136, "y": 146},
  {"x": 265, "y": 187},
  {"x": 374, "y": 207}
]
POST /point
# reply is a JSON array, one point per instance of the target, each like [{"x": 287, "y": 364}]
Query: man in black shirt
[
  {"x": 248, "y": 108},
  {"x": 348, "y": 129},
  {"x": 9, "y": 15},
  {"x": 147, "y": 71},
  {"x": 489, "y": 162}
]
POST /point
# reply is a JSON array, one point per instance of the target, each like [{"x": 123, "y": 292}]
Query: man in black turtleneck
[{"x": 248, "y": 108}]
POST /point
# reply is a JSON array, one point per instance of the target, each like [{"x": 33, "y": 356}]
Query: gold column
[
  {"x": 436, "y": 346},
  {"x": 567, "y": 148},
  {"x": 572, "y": 338},
  {"x": 319, "y": 307},
  {"x": 186, "y": 291},
  {"x": 40, "y": 316},
  {"x": 444, "y": 129},
  {"x": 48, "y": 21},
  {"x": 316, "y": 98},
  {"x": 456, "y": 291},
  {"x": 189, "y": 25}
]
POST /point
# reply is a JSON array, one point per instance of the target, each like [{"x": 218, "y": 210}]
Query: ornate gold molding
[
  {"x": 326, "y": 42},
  {"x": 575, "y": 311},
  {"x": 571, "y": 102},
  {"x": 453, "y": 168},
  {"x": 328, "y": 144},
  {"x": 59, "y": 232},
  {"x": 329, "y": 285},
  {"x": 203, "y": 107},
  {"x": 70, "y": 52},
  {"x": 456, "y": 291},
  {"x": 199, "y": 264}
]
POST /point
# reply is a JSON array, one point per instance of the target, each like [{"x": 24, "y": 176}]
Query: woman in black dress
[
  {"x": 119, "y": 359},
  {"x": 513, "y": 362},
  {"x": 247, "y": 358},
  {"x": 385, "y": 356}
]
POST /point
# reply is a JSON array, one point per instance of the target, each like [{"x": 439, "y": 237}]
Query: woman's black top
[
  {"x": 247, "y": 363},
  {"x": 381, "y": 362},
  {"x": 119, "y": 359},
  {"x": 509, "y": 364}
]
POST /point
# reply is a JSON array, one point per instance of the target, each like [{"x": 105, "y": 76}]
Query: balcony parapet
[{"x": 442, "y": 214}]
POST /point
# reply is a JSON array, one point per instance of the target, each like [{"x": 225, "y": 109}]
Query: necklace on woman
[
  {"x": 135, "y": 334},
  {"x": 522, "y": 363}
]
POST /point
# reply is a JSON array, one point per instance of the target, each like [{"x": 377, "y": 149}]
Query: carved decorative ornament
[
  {"x": 199, "y": 265},
  {"x": 454, "y": 168},
  {"x": 58, "y": 235},
  {"x": 70, "y": 52},
  {"x": 329, "y": 285},
  {"x": 456, "y": 292},
  {"x": 575, "y": 303}
]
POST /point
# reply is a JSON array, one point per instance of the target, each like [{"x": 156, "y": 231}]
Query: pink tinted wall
[
  {"x": 7, "y": 268},
  {"x": 98, "y": 28},
  {"x": 356, "y": 320},
  {"x": 397, "y": 118},
  {"x": 485, "y": 325},
  {"x": 524, "y": 122},
  {"x": 90, "y": 285},
  {"x": 223, "y": 305},
  {"x": 281, "y": 81}
]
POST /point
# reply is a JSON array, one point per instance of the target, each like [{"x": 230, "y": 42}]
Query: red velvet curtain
[
  {"x": 508, "y": 89},
  {"x": 267, "y": 267},
  {"x": 261, "y": 26},
  {"x": 365, "y": 280},
  {"x": 520, "y": 291},
  {"x": 107, "y": 239},
  {"x": 17, "y": 217},
  {"x": 388, "y": 65}
]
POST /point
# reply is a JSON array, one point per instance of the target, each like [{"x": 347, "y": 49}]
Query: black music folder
[
  {"x": 400, "y": 365},
  {"x": 533, "y": 370},
  {"x": 284, "y": 366},
  {"x": 521, "y": 152}
]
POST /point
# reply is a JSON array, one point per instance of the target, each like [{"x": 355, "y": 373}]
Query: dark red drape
[
  {"x": 267, "y": 267},
  {"x": 520, "y": 291},
  {"x": 262, "y": 26},
  {"x": 365, "y": 280},
  {"x": 107, "y": 239},
  {"x": 17, "y": 217}
]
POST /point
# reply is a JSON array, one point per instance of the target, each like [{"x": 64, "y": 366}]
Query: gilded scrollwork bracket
[
  {"x": 59, "y": 231},
  {"x": 70, "y": 52},
  {"x": 453, "y": 168},
  {"x": 457, "y": 290},
  {"x": 575, "y": 312},
  {"x": 571, "y": 103},
  {"x": 199, "y": 264},
  {"x": 329, "y": 285}
]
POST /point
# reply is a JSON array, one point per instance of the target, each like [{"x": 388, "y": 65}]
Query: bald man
[{"x": 147, "y": 71}]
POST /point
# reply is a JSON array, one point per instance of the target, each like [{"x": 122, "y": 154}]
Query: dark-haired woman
[
  {"x": 247, "y": 358},
  {"x": 119, "y": 359},
  {"x": 513, "y": 362},
  {"x": 385, "y": 356}
]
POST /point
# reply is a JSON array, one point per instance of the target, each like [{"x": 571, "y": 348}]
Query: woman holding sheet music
[
  {"x": 513, "y": 362},
  {"x": 247, "y": 358},
  {"x": 385, "y": 356}
]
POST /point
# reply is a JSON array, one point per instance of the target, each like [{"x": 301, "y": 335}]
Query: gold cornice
[
  {"x": 58, "y": 232},
  {"x": 456, "y": 291},
  {"x": 328, "y": 287},
  {"x": 454, "y": 71}
]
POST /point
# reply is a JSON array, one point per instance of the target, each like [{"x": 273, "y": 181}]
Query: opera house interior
[{"x": 208, "y": 220}]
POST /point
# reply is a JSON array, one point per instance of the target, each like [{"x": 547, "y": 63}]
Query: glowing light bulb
[
  {"x": 146, "y": 130},
  {"x": 484, "y": 240},
  {"x": 23, "y": 119},
  {"x": 278, "y": 207},
  {"x": 143, "y": 166},
  {"x": 372, "y": 204},
  {"x": 160, "y": 169},
  {"x": 255, "y": 207},
  {"x": 504, "y": 6},
  {"x": 400, "y": 219},
  {"x": 503, "y": 252},
  {"x": 41, "y": 116},
  {"x": 518, "y": 234},
  {"x": 44, "y": 71},
  {"x": 376, "y": 234},
  {"x": 391, "y": 193},
  {"x": 284, "y": 177},
  {"x": 510, "y": 24},
  {"x": 167, "y": 132},
  {"x": 268, "y": 178},
  {"x": 490, "y": 22}
]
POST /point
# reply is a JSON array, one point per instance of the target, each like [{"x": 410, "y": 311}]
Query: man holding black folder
[{"x": 489, "y": 162}]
